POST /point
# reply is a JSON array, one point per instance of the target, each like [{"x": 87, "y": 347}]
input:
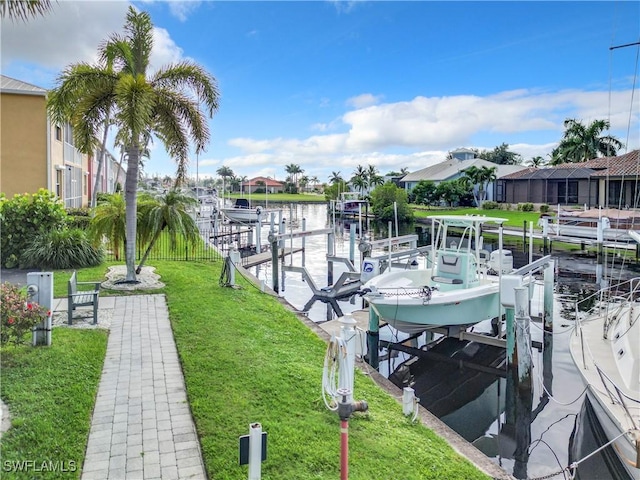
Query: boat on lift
[
  {"x": 242, "y": 212},
  {"x": 459, "y": 285}
]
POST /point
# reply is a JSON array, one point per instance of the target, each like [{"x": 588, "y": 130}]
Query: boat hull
[
  {"x": 413, "y": 313},
  {"x": 241, "y": 215}
]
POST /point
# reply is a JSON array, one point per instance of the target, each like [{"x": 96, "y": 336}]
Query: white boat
[
  {"x": 350, "y": 203},
  {"x": 242, "y": 212},
  {"x": 458, "y": 286},
  {"x": 605, "y": 347}
]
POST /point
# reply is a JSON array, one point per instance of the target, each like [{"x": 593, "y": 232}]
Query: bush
[
  {"x": 24, "y": 217},
  {"x": 544, "y": 208},
  {"x": 490, "y": 205},
  {"x": 17, "y": 315},
  {"x": 62, "y": 249},
  {"x": 525, "y": 207}
]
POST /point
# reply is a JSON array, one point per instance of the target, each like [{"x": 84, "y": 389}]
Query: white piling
[
  {"x": 255, "y": 451},
  {"x": 408, "y": 396}
]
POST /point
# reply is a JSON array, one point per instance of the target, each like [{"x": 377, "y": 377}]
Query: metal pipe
[
  {"x": 344, "y": 449},
  {"x": 255, "y": 451}
]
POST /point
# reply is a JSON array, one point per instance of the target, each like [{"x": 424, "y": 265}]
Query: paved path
[{"x": 142, "y": 426}]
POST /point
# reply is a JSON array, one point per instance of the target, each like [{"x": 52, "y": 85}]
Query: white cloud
[
  {"x": 364, "y": 100},
  {"x": 72, "y": 33}
]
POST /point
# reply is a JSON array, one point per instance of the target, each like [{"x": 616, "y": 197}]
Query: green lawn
[
  {"x": 246, "y": 358},
  {"x": 51, "y": 392},
  {"x": 514, "y": 218}
]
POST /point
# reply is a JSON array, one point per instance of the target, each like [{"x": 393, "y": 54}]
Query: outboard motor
[
  {"x": 370, "y": 268},
  {"x": 507, "y": 261}
]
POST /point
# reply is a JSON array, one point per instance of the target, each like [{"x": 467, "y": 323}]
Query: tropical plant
[
  {"x": 18, "y": 315},
  {"x": 24, "y": 9},
  {"x": 62, "y": 249},
  {"x": 479, "y": 178},
  {"x": 166, "y": 104},
  {"x": 450, "y": 191},
  {"x": 333, "y": 191},
  {"x": 383, "y": 199},
  {"x": 373, "y": 178},
  {"x": 168, "y": 212},
  {"x": 581, "y": 143},
  {"x": 424, "y": 192},
  {"x": 23, "y": 218},
  {"x": 294, "y": 170},
  {"x": 225, "y": 172},
  {"x": 109, "y": 221},
  {"x": 335, "y": 177},
  {"x": 501, "y": 155},
  {"x": 537, "y": 162}
]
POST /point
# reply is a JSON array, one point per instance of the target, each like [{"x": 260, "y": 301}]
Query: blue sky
[{"x": 333, "y": 85}]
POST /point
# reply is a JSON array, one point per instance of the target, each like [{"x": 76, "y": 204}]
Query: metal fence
[{"x": 201, "y": 250}]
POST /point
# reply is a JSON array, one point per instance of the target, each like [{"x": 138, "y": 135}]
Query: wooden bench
[{"x": 82, "y": 298}]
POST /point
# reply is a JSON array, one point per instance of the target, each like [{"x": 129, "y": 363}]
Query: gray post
[
  {"x": 373, "y": 338},
  {"x": 512, "y": 371},
  {"x": 524, "y": 398},
  {"x": 304, "y": 243},
  {"x": 547, "y": 317},
  {"x": 40, "y": 291},
  {"x": 259, "y": 234},
  {"x": 330, "y": 253},
  {"x": 352, "y": 244},
  {"x": 274, "y": 262}
]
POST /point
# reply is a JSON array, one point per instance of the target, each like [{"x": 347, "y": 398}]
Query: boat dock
[{"x": 264, "y": 257}]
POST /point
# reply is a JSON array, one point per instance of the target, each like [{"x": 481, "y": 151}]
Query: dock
[{"x": 264, "y": 257}]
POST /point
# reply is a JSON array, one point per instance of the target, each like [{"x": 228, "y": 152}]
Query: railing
[{"x": 201, "y": 250}]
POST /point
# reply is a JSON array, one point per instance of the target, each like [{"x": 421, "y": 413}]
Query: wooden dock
[{"x": 260, "y": 258}]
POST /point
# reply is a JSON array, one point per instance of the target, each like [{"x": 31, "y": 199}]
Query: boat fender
[{"x": 258, "y": 210}]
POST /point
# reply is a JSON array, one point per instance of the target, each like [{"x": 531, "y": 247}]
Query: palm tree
[
  {"x": 294, "y": 170},
  {"x": 359, "y": 178},
  {"x": 537, "y": 162},
  {"x": 168, "y": 212},
  {"x": 109, "y": 220},
  {"x": 24, "y": 9},
  {"x": 335, "y": 177},
  {"x": 581, "y": 143},
  {"x": 225, "y": 172},
  {"x": 372, "y": 177},
  {"x": 166, "y": 104},
  {"x": 480, "y": 178}
]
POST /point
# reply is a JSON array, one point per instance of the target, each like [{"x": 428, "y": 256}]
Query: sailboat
[{"x": 605, "y": 347}]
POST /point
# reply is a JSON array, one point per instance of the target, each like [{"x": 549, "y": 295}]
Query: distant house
[
  {"x": 262, "y": 184},
  {"x": 453, "y": 168},
  {"x": 606, "y": 182}
]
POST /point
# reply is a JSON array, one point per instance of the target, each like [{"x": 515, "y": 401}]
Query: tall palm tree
[
  {"x": 359, "y": 178},
  {"x": 225, "y": 172},
  {"x": 24, "y": 9},
  {"x": 335, "y": 177},
  {"x": 294, "y": 170},
  {"x": 581, "y": 143},
  {"x": 166, "y": 104},
  {"x": 168, "y": 212}
]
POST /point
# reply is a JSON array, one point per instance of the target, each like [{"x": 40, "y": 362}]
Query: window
[
  {"x": 59, "y": 183},
  {"x": 58, "y": 133}
]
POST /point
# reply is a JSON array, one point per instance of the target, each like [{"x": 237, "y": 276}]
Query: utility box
[{"x": 40, "y": 291}]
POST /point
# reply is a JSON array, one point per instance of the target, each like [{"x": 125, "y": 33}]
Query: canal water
[{"x": 474, "y": 406}]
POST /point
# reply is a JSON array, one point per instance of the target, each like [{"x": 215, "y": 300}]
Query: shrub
[
  {"x": 544, "y": 208},
  {"x": 62, "y": 249},
  {"x": 525, "y": 207},
  {"x": 490, "y": 205},
  {"x": 17, "y": 315},
  {"x": 24, "y": 217}
]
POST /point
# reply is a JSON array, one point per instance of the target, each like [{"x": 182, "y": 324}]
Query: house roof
[
  {"x": 453, "y": 167},
  {"x": 622, "y": 165},
  {"x": 11, "y": 85},
  {"x": 268, "y": 182}
]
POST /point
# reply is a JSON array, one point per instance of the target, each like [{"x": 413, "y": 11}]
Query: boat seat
[
  {"x": 450, "y": 281},
  {"x": 449, "y": 269}
]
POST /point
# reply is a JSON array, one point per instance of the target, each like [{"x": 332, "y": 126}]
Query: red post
[{"x": 344, "y": 450}]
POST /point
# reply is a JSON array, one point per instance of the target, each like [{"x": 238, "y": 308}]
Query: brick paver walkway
[{"x": 142, "y": 426}]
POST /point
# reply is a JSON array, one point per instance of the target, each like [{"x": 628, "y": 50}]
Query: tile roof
[
  {"x": 11, "y": 85},
  {"x": 627, "y": 164},
  {"x": 268, "y": 182}
]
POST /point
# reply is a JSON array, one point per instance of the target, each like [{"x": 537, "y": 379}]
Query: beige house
[
  {"x": 262, "y": 183},
  {"x": 34, "y": 153}
]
